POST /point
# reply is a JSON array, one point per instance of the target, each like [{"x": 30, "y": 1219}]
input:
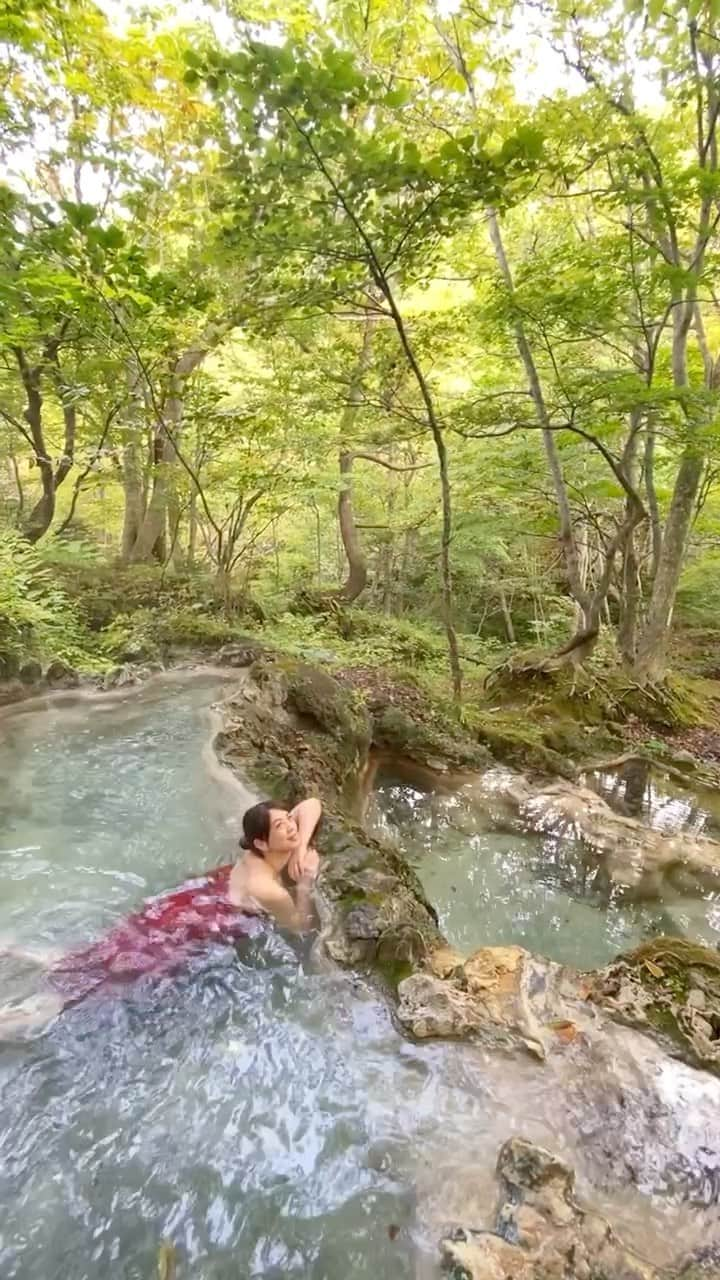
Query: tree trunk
[
  {"x": 152, "y": 532},
  {"x": 652, "y": 501},
  {"x": 446, "y": 583},
  {"x": 568, "y": 542},
  {"x": 175, "y": 514},
  {"x": 631, "y": 585},
  {"x": 40, "y": 518},
  {"x": 133, "y": 494},
  {"x": 152, "y": 527},
  {"x": 357, "y": 574},
  {"x": 15, "y": 475},
  {"x": 506, "y": 617},
  {"x": 652, "y": 648}
]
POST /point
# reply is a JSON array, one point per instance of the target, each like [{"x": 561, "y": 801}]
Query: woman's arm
[
  {"x": 307, "y": 815},
  {"x": 297, "y": 915}
]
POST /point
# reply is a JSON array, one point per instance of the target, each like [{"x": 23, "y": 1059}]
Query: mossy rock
[
  {"x": 522, "y": 744},
  {"x": 672, "y": 986},
  {"x": 379, "y": 913},
  {"x": 294, "y": 730},
  {"x": 394, "y": 729},
  {"x": 317, "y": 696},
  {"x": 676, "y": 703}
]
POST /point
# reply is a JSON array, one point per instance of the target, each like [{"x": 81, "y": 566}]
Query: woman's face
[{"x": 283, "y": 833}]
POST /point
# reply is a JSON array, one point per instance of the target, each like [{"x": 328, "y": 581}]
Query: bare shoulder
[{"x": 249, "y": 878}]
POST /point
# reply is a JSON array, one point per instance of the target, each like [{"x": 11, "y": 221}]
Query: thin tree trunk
[
  {"x": 41, "y": 515},
  {"x": 168, "y": 430},
  {"x": 446, "y": 585},
  {"x": 318, "y": 547},
  {"x": 631, "y": 586},
  {"x": 133, "y": 495},
  {"x": 174, "y": 510},
  {"x": 150, "y": 540},
  {"x": 506, "y": 617},
  {"x": 15, "y": 471},
  {"x": 357, "y": 574},
  {"x": 152, "y": 527},
  {"x": 132, "y": 469},
  {"x": 652, "y": 500},
  {"x": 652, "y": 647},
  {"x": 192, "y": 530},
  {"x": 568, "y": 543},
  {"x": 383, "y": 284}
]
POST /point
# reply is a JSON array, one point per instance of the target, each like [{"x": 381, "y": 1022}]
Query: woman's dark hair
[{"x": 256, "y": 825}]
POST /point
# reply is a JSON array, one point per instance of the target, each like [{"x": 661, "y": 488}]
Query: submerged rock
[
  {"x": 642, "y": 1118},
  {"x": 541, "y": 1232},
  {"x": 636, "y": 858}
]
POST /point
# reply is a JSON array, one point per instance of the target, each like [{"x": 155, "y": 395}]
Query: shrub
[
  {"x": 37, "y": 620},
  {"x": 151, "y": 633}
]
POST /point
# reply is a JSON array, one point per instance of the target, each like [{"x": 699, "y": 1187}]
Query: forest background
[{"x": 390, "y": 332}]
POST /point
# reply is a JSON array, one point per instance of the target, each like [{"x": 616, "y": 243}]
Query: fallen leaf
[
  {"x": 654, "y": 969},
  {"x": 167, "y": 1261},
  {"x": 564, "y": 1030}
]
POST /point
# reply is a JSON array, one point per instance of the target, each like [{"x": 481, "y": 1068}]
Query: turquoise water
[
  {"x": 265, "y": 1117},
  {"x": 492, "y": 886}
]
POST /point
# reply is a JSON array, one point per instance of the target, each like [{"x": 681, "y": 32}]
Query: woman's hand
[{"x": 304, "y": 863}]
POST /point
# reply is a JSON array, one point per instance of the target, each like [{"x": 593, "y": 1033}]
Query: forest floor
[{"x": 552, "y": 722}]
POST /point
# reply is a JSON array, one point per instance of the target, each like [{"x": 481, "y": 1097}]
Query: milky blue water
[
  {"x": 546, "y": 893},
  {"x": 263, "y": 1115}
]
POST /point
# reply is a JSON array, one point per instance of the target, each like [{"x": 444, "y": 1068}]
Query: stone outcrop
[
  {"x": 405, "y": 722},
  {"x": 542, "y": 1233},
  {"x": 500, "y": 996},
  {"x": 607, "y": 1073},
  {"x": 671, "y": 987},
  {"x": 295, "y": 731},
  {"x": 603, "y": 1065}
]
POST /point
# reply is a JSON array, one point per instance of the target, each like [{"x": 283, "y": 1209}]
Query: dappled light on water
[
  {"x": 545, "y": 892},
  {"x": 265, "y": 1118}
]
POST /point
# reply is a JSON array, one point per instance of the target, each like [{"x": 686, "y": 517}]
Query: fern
[{"x": 36, "y": 618}]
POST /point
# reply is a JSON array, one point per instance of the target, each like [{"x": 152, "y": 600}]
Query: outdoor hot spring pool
[
  {"x": 497, "y": 887},
  {"x": 262, "y": 1115}
]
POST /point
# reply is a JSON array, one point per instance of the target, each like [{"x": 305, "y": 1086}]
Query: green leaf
[{"x": 80, "y": 216}]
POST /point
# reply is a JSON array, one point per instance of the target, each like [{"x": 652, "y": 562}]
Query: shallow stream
[{"x": 265, "y": 1117}]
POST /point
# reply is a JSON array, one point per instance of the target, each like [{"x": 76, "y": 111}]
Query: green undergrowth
[
  {"x": 66, "y": 603},
  {"x": 39, "y": 620},
  {"x": 359, "y": 637},
  {"x": 153, "y": 634}
]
